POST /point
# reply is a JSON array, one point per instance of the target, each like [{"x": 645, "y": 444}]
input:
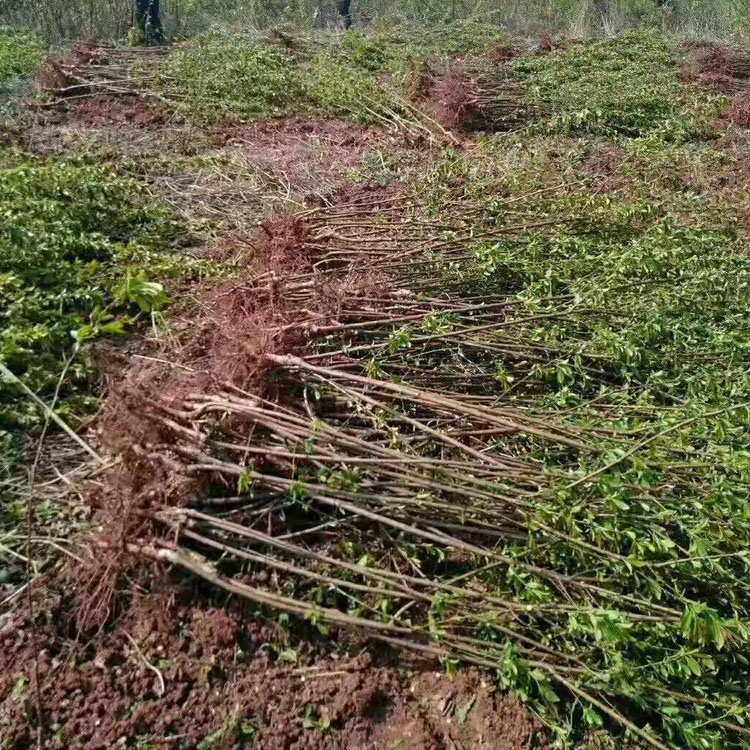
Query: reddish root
[
  {"x": 501, "y": 53},
  {"x": 242, "y": 325},
  {"x": 715, "y": 67},
  {"x": 546, "y": 43},
  {"x": 455, "y": 97},
  {"x": 713, "y": 59},
  {"x": 224, "y": 342},
  {"x": 739, "y": 110},
  {"x": 60, "y": 72},
  {"x": 282, "y": 245}
]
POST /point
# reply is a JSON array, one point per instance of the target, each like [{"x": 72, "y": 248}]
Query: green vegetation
[
  {"x": 242, "y": 78},
  {"x": 642, "y": 312},
  {"x": 608, "y": 550},
  {"x": 638, "y": 315},
  {"x": 80, "y": 249},
  {"x": 61, "y": 21},
  {"x": 634, "y": 92},
  {"x": 526, "y": 434},
  {"x": 20, "y": 55},
  {"x": 234, "y": 78}
]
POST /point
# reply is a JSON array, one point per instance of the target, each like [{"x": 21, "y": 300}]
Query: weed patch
[
  {"x": 20, "y": 55},
  {"x": 623, "y": 87},
  {"x": 80, "y": 252}
]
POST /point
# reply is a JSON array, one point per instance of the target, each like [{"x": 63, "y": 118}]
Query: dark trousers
[
  {"x": 148, "y": 21},
  {"x": 345, "y": 12}
]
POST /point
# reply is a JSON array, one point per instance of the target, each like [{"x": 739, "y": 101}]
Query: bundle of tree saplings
[
  {"x": 483, "y": 95},
  {"x": 483, "y": 440}
]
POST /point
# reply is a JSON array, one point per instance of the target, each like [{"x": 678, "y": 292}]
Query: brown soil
[
  {"x": 312, "y": 158},
  {"x": 130, "y": 109},
  {"x": 220, "y": 677},
  {"x": 739, "y": 110}
]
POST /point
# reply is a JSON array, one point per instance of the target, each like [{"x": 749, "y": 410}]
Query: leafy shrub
[
  {"x": 667, "y": 296},
  {"x": 627, "y": 86},
  {"x": 444, "y": 40},
  {"x": 68, "y": 235},
  {"x": 334, "y": 88},
  {"x": 240, "y": 79},
  {"x": 233, "y": 77},
  {"x": 20, "y": 54},
  {"x": 365, "y": 52}
]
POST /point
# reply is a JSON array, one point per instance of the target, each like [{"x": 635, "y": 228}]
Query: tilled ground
[{"x": 176, "y": 672}]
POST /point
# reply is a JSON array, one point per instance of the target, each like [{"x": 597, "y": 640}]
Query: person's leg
[
  {"x": 148, "y": 20},
  {"x": 602, "y": 7},
  {"x": 345, "y": 13},
  {"x": 154, "y": 22},
  {"x": 141, "y": 15}
]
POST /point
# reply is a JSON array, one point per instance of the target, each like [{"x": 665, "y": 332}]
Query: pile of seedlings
[
  {"x": 230, "y": 81},
  {"x": 381, "y": 416},
  {"x": 510, "y": 432},
  {"x": 716, "y": 66},
  {"x": 89, "y": 70},
  {"x": 210, "y": 80},
  {"x": 482, "y": 95},
  {"x": 718, "y": 59}
]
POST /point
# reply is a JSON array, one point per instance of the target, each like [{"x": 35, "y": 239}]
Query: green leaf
[
  {"x": 592, "y": 718},
  {"x": 288, "y": 654}
]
